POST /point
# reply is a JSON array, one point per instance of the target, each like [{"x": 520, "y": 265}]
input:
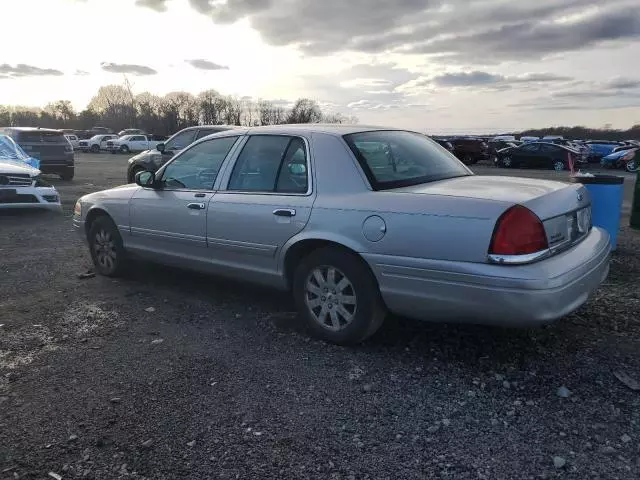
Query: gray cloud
[
  {"x": 22, "y": 70},
  {"x": 483, "y": 31},
  {"x": 81, "y": 73},
  {"x": 127, "y": 68},
  {"x": 536, "y": 39},
  {"x": 157, "y": 5},
  {"x": 623, "y": 83},
  {"x": 201, "y": 64},
  {"x": 477, "y": 78}
]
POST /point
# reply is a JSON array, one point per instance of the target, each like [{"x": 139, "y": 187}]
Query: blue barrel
[{"x": 606, "y": 202}]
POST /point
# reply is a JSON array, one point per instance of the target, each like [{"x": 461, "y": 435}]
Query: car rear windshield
[
  {"x": 394, "y": 159},
  {"x": 42, "y": 137}
]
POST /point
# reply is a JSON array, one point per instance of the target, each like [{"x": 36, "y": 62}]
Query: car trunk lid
[{"x": 564, "y": 209}]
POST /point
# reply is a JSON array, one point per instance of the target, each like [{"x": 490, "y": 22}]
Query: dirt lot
[{"x": 170, "y": 375}]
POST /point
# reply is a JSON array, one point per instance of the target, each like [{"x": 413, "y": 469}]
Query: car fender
[{"x": 321, "y": 235}]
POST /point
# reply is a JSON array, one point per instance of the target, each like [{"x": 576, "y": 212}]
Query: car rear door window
[
  {"x": 197, "y": 168},
  {"x": 271, "y": 163}
]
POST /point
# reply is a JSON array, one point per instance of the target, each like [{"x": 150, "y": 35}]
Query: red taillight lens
[{"x": 519, "y": 231}]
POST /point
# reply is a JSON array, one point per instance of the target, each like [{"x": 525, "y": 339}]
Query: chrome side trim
[{"x": 519, "y": 259}]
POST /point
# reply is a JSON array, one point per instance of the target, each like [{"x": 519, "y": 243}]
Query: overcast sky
[{"x": 431, "y": 65}]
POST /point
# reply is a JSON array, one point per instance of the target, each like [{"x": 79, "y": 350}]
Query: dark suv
[
  {"x": 49, "y": 146},
  {"x": 152, "y": 160},
  {"x": 470, "y": 150}
]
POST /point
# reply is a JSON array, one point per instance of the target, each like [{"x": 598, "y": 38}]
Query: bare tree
[{"x": 305, "y": 110}]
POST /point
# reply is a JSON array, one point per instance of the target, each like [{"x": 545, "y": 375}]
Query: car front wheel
[
  {"x": 558, "y": 165},
  {"x": 124, "y": 149},
  {"x": 506, "y": 162},
  {"x": 338, "y": 296},
  {"x": 631, "y": 166},
  {"x": 105, "y": 245}
]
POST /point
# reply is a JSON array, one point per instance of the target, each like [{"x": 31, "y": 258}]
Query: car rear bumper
[{"x": 516, "y": 296}]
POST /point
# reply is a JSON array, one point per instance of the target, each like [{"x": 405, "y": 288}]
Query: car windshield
[{"x": 393, "y": 159}]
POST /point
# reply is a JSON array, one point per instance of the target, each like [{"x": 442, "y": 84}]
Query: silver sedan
[{"x": 357, "y": 222}]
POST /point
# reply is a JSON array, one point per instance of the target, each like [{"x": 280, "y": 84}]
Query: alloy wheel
[
  {"x": 558, "y": 166},
  {"x": 330, "y": 298},
  {"x": 632, "y": 166},
  {"x": 105, "y": 250}
]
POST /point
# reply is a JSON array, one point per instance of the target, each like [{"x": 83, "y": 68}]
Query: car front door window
[
  {"x": 198, "y": 167},
  {"x": 180, "y": 140}
]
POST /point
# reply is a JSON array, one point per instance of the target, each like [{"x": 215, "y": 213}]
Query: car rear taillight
[{"x": 518, "y": 231}]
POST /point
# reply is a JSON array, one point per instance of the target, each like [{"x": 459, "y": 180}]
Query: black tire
[
  {"x": 368, "y": 311},
  {"x": 124, "y": 149},
  {"x": 105, "y": 243},
  {"x": 558, "y": 165},
  {"x": 68, "y": 174},
  {"x": 506, "y": 162},
  {"x": 95, "y": 148},
  {"x": 132, "y": 174}
]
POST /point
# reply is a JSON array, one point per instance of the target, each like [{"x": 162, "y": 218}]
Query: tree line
[
  {"x": 118, "y": 107},
  {"x": 585, "y": 133}
]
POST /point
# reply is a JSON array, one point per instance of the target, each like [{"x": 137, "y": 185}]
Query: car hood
[
  {"x": 123, "y": 192},
  {"x": 14, "y": 166},
  {"x": 501, "y": 189},
  {"x": 620, "y": 154}
]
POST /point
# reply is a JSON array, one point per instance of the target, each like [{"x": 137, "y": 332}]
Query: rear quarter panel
[{"x": 427, "y": 226}]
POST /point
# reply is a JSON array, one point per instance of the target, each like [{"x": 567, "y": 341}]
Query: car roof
[
  {"x": 308, "y": 128},
  {"x": 33, "y": 129}
]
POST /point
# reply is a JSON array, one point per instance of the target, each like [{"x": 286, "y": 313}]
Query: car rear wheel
[
  {"x": 95, "y": 148},
  {"x": 68, "y": 174},
  {"x": 558, "y": 165},
  {"x": 105, "y": 245},
  {"x": 124, "y": 149},
  {"x": 338, "y": 296}
]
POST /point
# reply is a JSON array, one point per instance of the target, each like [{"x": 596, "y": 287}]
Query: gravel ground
[{"x": 167, "y": 374}]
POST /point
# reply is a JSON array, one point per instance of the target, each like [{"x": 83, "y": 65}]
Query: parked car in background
[
  {"x": 496, "y": 145},
  {"x": 100, "y": 130},
  {"x": 470, "y": 150},
  {"x": 73, "y": 139},
  {"x": 626, "y": 159},
  {"x": 537, "y": 155},
  {"x": 50, "y": 147},
  {"x": 131, "y": 131},
  {"x": 151, "y": 160},
  {"x": 133, "y": 143},
  {"x": 420, "y": 235},
  {"x": 599, "y": 149},
  {"x": 96, "y": 143},
  {"x": 444, "y": 143},
  {"x": 20, "y": 183},
  {"x": 527, "y": 139}
]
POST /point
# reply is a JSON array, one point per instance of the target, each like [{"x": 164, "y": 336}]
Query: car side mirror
[
  {"x": 146, "y": 179},
  {"x": 160, "y": 147},
  {"x": 297, "y": 169}
]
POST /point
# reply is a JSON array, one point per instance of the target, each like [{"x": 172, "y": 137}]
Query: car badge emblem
[{"x": 580, "y": 197}]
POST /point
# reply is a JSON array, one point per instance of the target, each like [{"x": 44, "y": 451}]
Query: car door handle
[
  {"x": 284, "y": 212},
  {"x": 196, "y": 206}
]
